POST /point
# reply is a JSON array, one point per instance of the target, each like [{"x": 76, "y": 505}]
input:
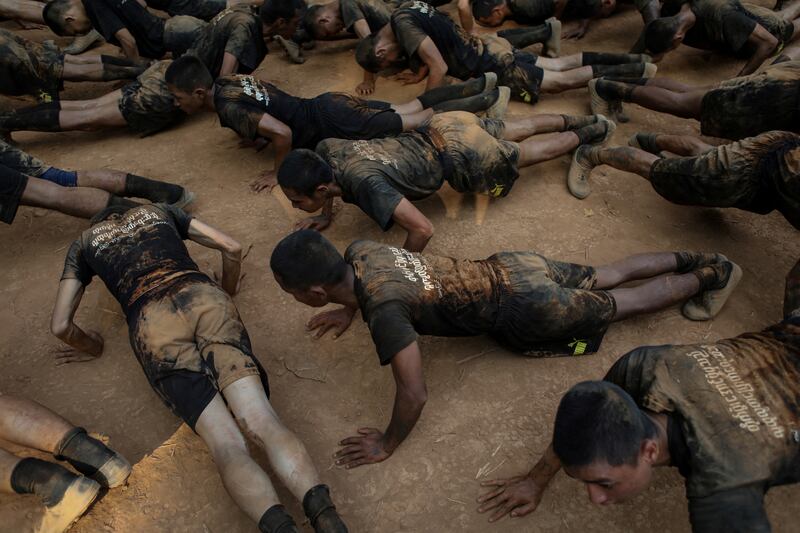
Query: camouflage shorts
[
  {"x": 24, "y": 163},
  {"x": 180, "y": 33},
  {"x": 731, "y": 175},
  {"x": 549, "y": 307},
  {"x": 516, "y": 69},
  {"x": 30, "y": 68},
  {"x": 481, "y": 161},
  {"x": 147, "y": 104},
  {"x": 750, "y": 105}
]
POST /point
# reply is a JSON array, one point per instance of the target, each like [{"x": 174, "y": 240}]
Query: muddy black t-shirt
[
  {"x": 376, "y": 12},
  {"x": 376, "y": 174},
  {"x": 110, "y": 16},
  {"x": 242, "y": 100},
  {"x": 582, "y": 9},
  {"x": 402, "y": 294},
  {"x": 133, "y": 253},
  {"x": 721, "y": 24},
  {"x": 531, "y": 11},
  {"x": 464, "y": 54},
  {"x": 236, "y": 31}
]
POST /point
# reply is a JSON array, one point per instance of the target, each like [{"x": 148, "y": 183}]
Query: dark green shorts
[
  {"x": 147, "y": 104},
  {"x": 12, "y": 185}
]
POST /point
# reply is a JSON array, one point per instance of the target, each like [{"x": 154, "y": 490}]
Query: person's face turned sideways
[
  {"x": 189, "y": 103},
  {"x": 388, "y": 53},
  {"x": 608, "y": 484},
  {"x": 327, "y": 26},
  {"x": 283, "y": 27},
  {"x": 495, "y": 18},
  {"x": 309, "y": 204},
  {"x": 313, "y": 296},
  {"x": 76, "y": 21}
]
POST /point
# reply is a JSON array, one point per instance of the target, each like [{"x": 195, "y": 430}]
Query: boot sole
[
  {"x": 694, "y": 311},
  {"x": 78, "y": 497}
]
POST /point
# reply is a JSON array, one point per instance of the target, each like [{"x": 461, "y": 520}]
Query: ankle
[
  {"x": 713, "y": 277},
  {"x": 47, "y": 480},
  {"x": 277, "y": 520},
  {"x": 321, "y": 511}
]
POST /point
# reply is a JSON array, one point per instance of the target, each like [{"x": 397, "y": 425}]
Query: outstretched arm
[
  {"x": 230, "y": 64},
  {"x": 367, "y": 86},
  {"x": 520, "y": 495},
  {"x": 70, "y": 292},
  {"x": 280, "y": 135},
  {"x": 203, "y": 234},
  {"x": 764, "y": 44},
  {"x": 419, "y": 229},
  {"x": 372, "y": 446},
  {"x": 437, "y": 68}
]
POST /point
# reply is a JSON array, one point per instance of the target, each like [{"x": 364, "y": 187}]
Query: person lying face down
[
  {"x": 402, "y": 295},
  {"x": 724, "y": 413}
]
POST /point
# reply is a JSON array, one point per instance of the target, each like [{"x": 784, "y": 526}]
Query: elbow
[
  {"x": 416, "y": 398},
  {"x": 232, "y": 248},
  {"x": 59, "y": 327},
  {"x": 425, "y": 231}
]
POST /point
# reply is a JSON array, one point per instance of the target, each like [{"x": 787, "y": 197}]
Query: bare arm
[
  {"x": 437, "y": 68},
  {"x": 764, "y": 43},
  {"x": 128, "y": 44},
  {"x": 418, "y": 228},
  {"x": 203, "y": 234},
  {"x": 280, "y": 135},
  {"x": 318, "y": 222},
  {"x": 230, "y": 64},
  {"x": 465, "y": 15},
  {"x": 62, "y": 325}
]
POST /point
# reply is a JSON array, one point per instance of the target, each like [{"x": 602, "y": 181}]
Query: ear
[
  {"x": 200, "y": 92},
  {"x": 322, "y": 189},
  {"x": 498, "y": 10},
  {"x": 649, "y": 451},
  {"x": 69, "y": 18},
  {"x": 319, "y": 292}
]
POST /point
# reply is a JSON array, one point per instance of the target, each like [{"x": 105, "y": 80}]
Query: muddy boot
[
  {"x": 321, "y": 512},
  {"x": 498, "y": 109},
  {"x": 292, "y": 49},
  {"x": 717, "y": 282},
  {"x": 690, "y": 261},
  {"x": 82, "y": 43},
  {"x": 552, "y": 46},
  {"x": 646, "y": 142},
  {"x": 156, "y": 191},
  {"x": 601, "y": 106},
  {"x": 579, "y": 172},
  {"x": 59, "y": 517},
  {"x": 277, "y": 520},
  {"x": 92, "y": 458}
]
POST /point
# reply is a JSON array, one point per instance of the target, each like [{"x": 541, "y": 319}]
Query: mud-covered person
[
  {"x": 740, "y": 107},
  {"x": 725, "y": 413},
  {"x": 190, "y": 341},
  {"x": 66, "y": 496},
  {"x": 431, "y": 44},
  {"x": 384, "y": 176},
  {"x": 402, "y": 295},
  {"x": 261, "y": 113},
  {"x": 749, "y": 31}
]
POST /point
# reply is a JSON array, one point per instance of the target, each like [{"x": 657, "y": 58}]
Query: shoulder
[{"x": 359, "y": 250}]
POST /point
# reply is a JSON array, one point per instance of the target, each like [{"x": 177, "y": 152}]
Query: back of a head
[
  {"x": 304, "y": 170},
  {"x": 272, "y": 10},
  {"x": 482, "y": 9},
  {"x": 365, "y": 54},
  {"x": 310, "y": 20},
  {"x": 660, "y": 33},
  {"x": 54, "y": 13},
  {"x": 188, "y": 73},
  {"x": 305, "y": 258},
  {"x": 598, "y": 421}
]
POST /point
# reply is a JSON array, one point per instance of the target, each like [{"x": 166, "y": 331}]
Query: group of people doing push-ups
[{"x": 725, "y": 413}]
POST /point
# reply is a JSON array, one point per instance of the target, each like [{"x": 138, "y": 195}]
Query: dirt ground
[{"x": 489, "y": 412}]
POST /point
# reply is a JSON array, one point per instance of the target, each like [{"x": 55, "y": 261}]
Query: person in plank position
[
  {"x": 191, "y": 343},
  {"x": 724, "y": 413},
  {"x": 527, "y": 302}
]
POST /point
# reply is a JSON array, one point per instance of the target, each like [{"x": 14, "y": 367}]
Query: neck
[
  {"x": 208, "y": 103},
  {"x": 386, "y": 34},
  {"x": 334, "y": 8},
  {"x": 687, "y": 17},
  {"x": 344, "y": 292},
  {"x": 334, "y": 191},
  {"x": 662, "y": 438}
]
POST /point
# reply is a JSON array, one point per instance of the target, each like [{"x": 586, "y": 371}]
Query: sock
[
  {"x": 276, "y": 520},
  {"x": 574, "y": 122},
  {"x": 591, "y": 133},
  {"x": 321, "y": 512},
  {"x": 602, "y": 58},
  {"x": 473, "y": 104},
  {"x": 119, "y": 61},
  {"x": 153, "y": 190},
  {"x": 612, "y": 90},
  {"x": 521, "y": 39},
  {"x": 85, "y": 453},
  {"x": 714, "y": 276},
  {"x": 47, "y": 480},
  {"x": 116, "y": 72},
  {"x": 42, "y": 117},
  {"x": 629, "y": 81},
  {"x": 627, "y": 70},
  {"x": 65, "y": 178},
  {"x": 452, "y": 92},
  {"x": 688, "y": 261}
]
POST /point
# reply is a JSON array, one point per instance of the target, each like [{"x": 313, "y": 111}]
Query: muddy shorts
[
  {"x": 180, "y": 33},
  {"x": 750, "y": 105},
  {"x": 147, "y": 104},
  {"x": 14, "y": 158},
  {"x": 516, "y": 69},
  {"x": 30, "y": 68},
  {"x": 341, "y": 116},
  {"x": 548, "y": 307},
  {"x": 731, "y": 175},
  {"x": 479, "y": 161},
  {"x": 191, "y": 343},
  {"x": 12, "y": 185}
]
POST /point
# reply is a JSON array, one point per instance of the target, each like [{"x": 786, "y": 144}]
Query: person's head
[
  {"x": 605, "y": 440},
  {"x": 379, "y": 51},
  {"x": 489, "y": 12},
  {"x": 305, "y": 178},
  {"x": 190, "y": 82},
  {"x": 66, "y": 17},
  {"x": 664, "y": 34},
  {"x": 607, "y": 7},
  {"x": 323, "y": 22},
  {"x": 306, "y": 265},
  {"x": 281, "y": 17}
]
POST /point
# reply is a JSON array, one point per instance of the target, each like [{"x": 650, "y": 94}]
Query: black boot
[
  {"x": 277, "y": 520},
  {"x": 321, "y": 512}
]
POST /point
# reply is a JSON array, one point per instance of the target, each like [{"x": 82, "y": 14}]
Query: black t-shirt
[
  {"x": 376, "y": 12},
  {"x": 721, "y": 24},
  {"x": 110, "y": 16},
  {"x": 376, "y": 174},
  {"x": 464, "y": 54},
  {"x": 402, "y": 294},
  {"x": 242, "y": 100},
  {"x": 582, "y": 9},
  {"x": 133, "y": 253},
  {"x": 236, "y": 31},
  {"x": 531, "y": 11}
]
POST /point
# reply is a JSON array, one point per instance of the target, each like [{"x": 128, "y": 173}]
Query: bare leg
[
  {"x": 29, "y": 424},
  {"x": 287, "y": 455},
  {"x": 556, "y": 82},
  {"x": 519, "y": 128},
  {"x": 791, "y": 11},
  {"x": 674, "y": 85},
  {"x": 91, "y": 59},
  {"x": 22, "y": 10},
  {"x": 246, "y": 482},
  {"x": 654, "y": 295},
  {"x": 106, "y": 115},
  {"x": 112, "y": 181},
  {"x": 625, "y": 158},
  {"x": 414, "y": 106},
  {"x": 415, "y": 120},
  {"x": 638, "y": 266},
  {"x": 560, "y": 64},
  {"x": 112, "y": 97},
  {"x": 536, "y": 150},
  {"x": 7, "y": 464},
  {"x": 81, "y": 202},
  {"x": 682, "y": 145},
  {"x": 684, "y": 105}
]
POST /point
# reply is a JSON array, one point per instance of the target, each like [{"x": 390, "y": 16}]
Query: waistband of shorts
[
  {"x": 139, "y": 299},
  {"x": 438, "y": 142}
]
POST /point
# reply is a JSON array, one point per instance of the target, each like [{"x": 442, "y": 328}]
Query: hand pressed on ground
[{"x": 366, "y": 448}]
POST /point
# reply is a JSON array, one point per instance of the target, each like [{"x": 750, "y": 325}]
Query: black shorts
[
  {"x": 548, "y": 307},
  {"x": 191, "y": 344},
  {"x": 516, "y": 69},
  {"x": 202, "y": 9},
  {"x": 750, "y": 105},
  {"x": 147, "y": 104},
  {"x": 732, "y": 175},
  {"x": 12, "y": 185},
  {"x": 341, "y": 116}
]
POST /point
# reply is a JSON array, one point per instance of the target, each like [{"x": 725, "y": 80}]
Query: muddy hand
[
  {"x": 365, "y": 88},
  {"x": 266, "y": 181},
  {"x": 408, "y": 78},
  {"x": 516, "y": 496},
  {"x": 367, "y": 448},
  {"x": 337, "y": 320}
]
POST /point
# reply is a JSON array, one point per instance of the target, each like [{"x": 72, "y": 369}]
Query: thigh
[
  {"x": 249, "y": 403},
  {"x": 13, "y": 187},
  {"x": 217, "y": 427}
]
